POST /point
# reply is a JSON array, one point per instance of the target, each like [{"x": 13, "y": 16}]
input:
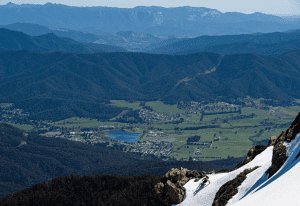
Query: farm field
[{"x": 194, "y": 131}]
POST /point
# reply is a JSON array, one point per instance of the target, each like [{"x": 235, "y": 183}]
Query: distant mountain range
[
  {"x": 60, "y": 85},
  {"x": 272, "y": 44},
  {"x": 180, "y": 22},
  {"x": 131, "y": 41},
  {"x": 38, "y": 30},
  {"x": 14, "y": 40}
]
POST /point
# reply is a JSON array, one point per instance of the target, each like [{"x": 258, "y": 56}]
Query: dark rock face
[
  {"x": 253, "y": 152},
  {"x": 211, "y": 172},
  {"x": 229, "y": 189},
  {"x": 171, "y": 188},
  {"x": 279, "y": 151},
  {"x": 224, "y": 170},
  {"x": 298, "y": 155}
]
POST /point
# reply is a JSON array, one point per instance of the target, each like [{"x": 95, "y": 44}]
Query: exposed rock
[
  {"x": 279, "y": 150},
  {"x": 175, "y": 192},
  {"x": 224, "y": 170},
  {"x": 253, "y": 152},
  {"x": 272, "y": 141},
  {"x": 205, "y": 180},
  {"x": 298, "y": 155},
  {"x": 229, "y": 189},
  {"x": 171, "y": 188},
  {"x": 211, "y": 172},
  {"x": 278, "y": 158}
]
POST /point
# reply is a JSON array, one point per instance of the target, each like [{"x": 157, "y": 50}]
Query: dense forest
[
  {"x": 59, "y": 85},
  {"x": 102, "y": 190}
]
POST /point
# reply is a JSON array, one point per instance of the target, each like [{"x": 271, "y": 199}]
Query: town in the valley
[{"x": 186, "y": 131}]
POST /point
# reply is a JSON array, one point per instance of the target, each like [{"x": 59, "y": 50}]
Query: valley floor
[{"x": 186, "y": 131}]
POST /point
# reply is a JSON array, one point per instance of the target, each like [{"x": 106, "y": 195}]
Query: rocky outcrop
[
  {"x": 229, "y": 189},
  {"x": 253, "y": 152},
  {"x": 171, "y": 189},
  {"x": 224, "y": 170},
  {"x": 211, "y": 172},
  {"x": 279, "y": 150}
]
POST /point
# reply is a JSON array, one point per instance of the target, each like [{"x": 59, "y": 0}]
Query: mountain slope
[
  {"x": 37, "y": 30},
  {"x": 261, "y": 186},
  {"x": 248, "y": 47},
  {"x": 76, "y": 83},
  {"x": 131, "y": 41},
  {"x": 272, "y": 44},
  {"x": 49, "y": 42}
]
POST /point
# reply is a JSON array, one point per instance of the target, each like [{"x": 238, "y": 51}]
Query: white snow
[
  {"x": 206, "y": 195},
  {"x": 283, "y": 188}
]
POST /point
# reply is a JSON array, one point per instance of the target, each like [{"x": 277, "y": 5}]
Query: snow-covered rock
[{"x": 268, "y": 177}]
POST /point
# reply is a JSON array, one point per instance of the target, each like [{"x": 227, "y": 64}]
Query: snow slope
[{"x": 283, "y": 188}]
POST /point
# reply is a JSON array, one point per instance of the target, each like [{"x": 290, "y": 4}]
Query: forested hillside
[
  {"x": 60, "y": 85},
  {"x": 28, "y": 159}
]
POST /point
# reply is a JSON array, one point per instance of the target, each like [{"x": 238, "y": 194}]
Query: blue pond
[{"x": 123, "y": 136}]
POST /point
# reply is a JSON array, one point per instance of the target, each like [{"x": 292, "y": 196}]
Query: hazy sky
[{"x": 277, "y": 7}]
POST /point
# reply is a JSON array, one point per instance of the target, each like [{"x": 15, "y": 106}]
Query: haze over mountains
[
  {"x": 15, "y": 40},
  {"x": 180, "y": 22},
  {"x": 272, "y": 44},
  {"x": 132, "y": 41}
]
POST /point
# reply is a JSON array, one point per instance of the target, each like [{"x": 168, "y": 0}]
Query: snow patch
[
  {"x": 285, "y": 190},
  {"x": 205, "y": 195}
]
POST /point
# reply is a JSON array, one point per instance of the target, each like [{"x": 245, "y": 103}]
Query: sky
[{"x": 276, "y": 7}]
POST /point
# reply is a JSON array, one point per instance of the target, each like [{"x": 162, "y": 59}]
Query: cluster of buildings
[
  {"x": 149, "y": 147},
  {"x": 196, "y": 107},
  {"x": 150, "y": 116}
]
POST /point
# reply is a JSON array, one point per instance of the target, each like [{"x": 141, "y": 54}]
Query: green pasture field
[
  {"x": 291, "y": 111},
  {"x": 184, "y": 152},
  {"x": 268, "y": 134},
  {"x": 160, "y": 107},
  {"x": 233, "y": 135}
]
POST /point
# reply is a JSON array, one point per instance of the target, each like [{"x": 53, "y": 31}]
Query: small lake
[{"x": 123, "y": 136}]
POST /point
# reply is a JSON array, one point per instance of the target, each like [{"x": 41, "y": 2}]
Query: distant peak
[
  {"x": 50, "y": 34},
  {"x": 48, "y": 4},
  {"x": 11, "y": 4}
]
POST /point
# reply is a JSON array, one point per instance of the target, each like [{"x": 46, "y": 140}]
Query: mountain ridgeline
[
  {"x": 271, "y": 44},
  {"x": 15, "y": 40},
  {"x": 61, "y": 85},
  {"x": 181, "y": 21}
]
